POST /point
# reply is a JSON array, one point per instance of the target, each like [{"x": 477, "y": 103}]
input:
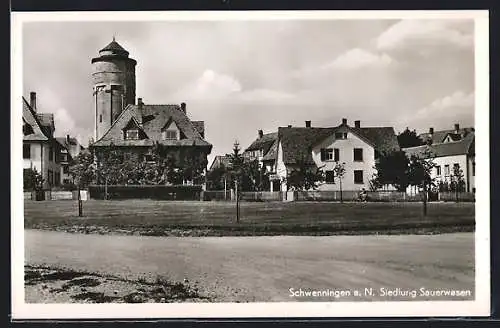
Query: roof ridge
[{"x": 35, "y": 116}]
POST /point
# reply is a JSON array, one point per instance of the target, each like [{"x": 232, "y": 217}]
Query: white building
[
  {"x": 69, "y": 150},
  {"x": 40, "y": 148},
  {"x": 449, "y": 149},
  {"x": 357, "y": 147}
]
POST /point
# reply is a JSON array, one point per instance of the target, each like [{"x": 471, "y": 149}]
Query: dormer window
[
  {"x": 170, "y": 135},
  {"x": 132, "y": 134}
]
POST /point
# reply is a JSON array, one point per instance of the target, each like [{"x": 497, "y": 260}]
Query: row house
[
  {"x": 70, "y": 149},
  {"x": 40, "y": 149},
  {"x": 355, "y": 146},
  {"x": 449, "y": 150}
]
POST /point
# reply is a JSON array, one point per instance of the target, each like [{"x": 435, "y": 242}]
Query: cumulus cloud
[
  {"x": 457, "y": 107},
  {"x": 63, "y": 121},
  {"x": 210, "y": 85},
  {"x": 359, "y": 58},
  {"x": 422, "y": 33}
]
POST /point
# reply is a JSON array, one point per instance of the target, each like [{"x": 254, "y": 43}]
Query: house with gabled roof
[
  {"x": 449, "y": 150},
  {"x": 70, "y": 148},
  {"x": 40, "y": 148},
  {"x": 323, "y": 147},
  {"x": 138, "y": 128}
]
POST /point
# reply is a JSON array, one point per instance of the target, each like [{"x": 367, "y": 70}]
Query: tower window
[{"x": 100, "y": 118}]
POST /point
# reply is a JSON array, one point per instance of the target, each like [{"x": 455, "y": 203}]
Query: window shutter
[{"x": 323, "y": 154}]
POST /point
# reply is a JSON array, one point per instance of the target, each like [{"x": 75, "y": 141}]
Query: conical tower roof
[{"x": 114, "y": 47}]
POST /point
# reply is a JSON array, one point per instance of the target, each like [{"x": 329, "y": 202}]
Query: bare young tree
[{"x": 339, "y": 171}]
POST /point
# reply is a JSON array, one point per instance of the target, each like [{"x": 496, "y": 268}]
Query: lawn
[{"x": 167, "y": 218}]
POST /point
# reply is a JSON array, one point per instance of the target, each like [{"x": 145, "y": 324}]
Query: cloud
[
  {"x": 418, "y": 34},
  {"x": 209, "y": 86},
  {"x": 358, "y": 58},
  {"x": 443, "y": 112}
]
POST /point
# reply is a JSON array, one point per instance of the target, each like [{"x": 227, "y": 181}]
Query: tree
[
  {"x": 419, "y": 174},
  {"x": 458, "y": 181},
  {"x": 339, "y": 171},
  {"x": 83, "y": 169},
  {"x": 409, "y": 138},
  {"x": 391, "y": 169},
  {"x": 304, "y": 176},
  {"x": 236, "y": 159},
  {"x": 32, "y": 180}
]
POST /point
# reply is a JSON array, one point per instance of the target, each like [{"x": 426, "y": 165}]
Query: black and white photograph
[{"x": 265, "y": 164}]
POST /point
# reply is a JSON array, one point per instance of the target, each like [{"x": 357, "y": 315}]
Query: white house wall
[
  {"x": 281, "y": 170},
  {"x": 461, "y": 160},
  {"x": 346, "y": 155}
]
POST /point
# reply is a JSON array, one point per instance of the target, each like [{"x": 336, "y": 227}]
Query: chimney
[
  {"x": 67, "y": 139},
  {"x": 261, "y": 133},
  {"x": 431, "y": 131},
  {"x": 308, "y": 124},
  {"x": 183, "y": 107},
  {"x": 357, "y": 124},
  {"x": 457, "y": 127},
  {"x": 344, "y": 121},
  {"x": 289, "y": 125},
  {"x": 33, "y": 100}
]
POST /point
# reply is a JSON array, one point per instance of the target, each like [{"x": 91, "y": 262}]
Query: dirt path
[{"x": 265, "y": 268}]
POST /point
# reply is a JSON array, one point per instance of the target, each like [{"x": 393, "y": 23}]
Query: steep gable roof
[
  {"x": 439, "y": 136},
  {"x": 152, "y": 119},
  {"x": 462, "y": 147},
  {"x": 298, "y": 141},
  {"x": 200, "y": 127},
  {"x": 383, "y": 138},
  {"x": 30, "y": 117},
  {"x": 220, "y": 161},
  {"x": 272, "y": 153},
  {"x": 263, "y": 143}
]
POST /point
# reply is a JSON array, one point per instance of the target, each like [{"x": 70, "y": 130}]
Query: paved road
[{"x": 265, "y": 268}]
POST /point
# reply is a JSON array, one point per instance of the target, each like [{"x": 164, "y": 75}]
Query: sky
[{"x": 242, "y": 76}]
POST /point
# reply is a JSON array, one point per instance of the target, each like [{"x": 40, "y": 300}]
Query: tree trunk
[
  {"x": 80, "y": 205},
  {"x": 425, "y": 199},
  {"x": 237, "y": 203},
  {"x": 340, "y": 181}
]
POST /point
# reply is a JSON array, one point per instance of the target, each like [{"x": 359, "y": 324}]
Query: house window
[
  {"x": 446, "y": 170},
  {"x": 63, "y": 157},
  {"x": 438, "y": 170},
  {"x": 66, "y": 169},
  {"x": 336, "y": 156},
  {"x": 172, "y": 135},
  {"x": 340, "y": 135},
  {"x": 473, "y": 169},
  {"x": 132, "y": 134},
  {"x": 26, "y": 151},
  {"x": 358, "y": 154},
  {"x": 456, "y": 167},
  {"x": 51, "y": 153},
  {"x": 330, "y": 176},
  {"x": 358, "y": 176}
]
